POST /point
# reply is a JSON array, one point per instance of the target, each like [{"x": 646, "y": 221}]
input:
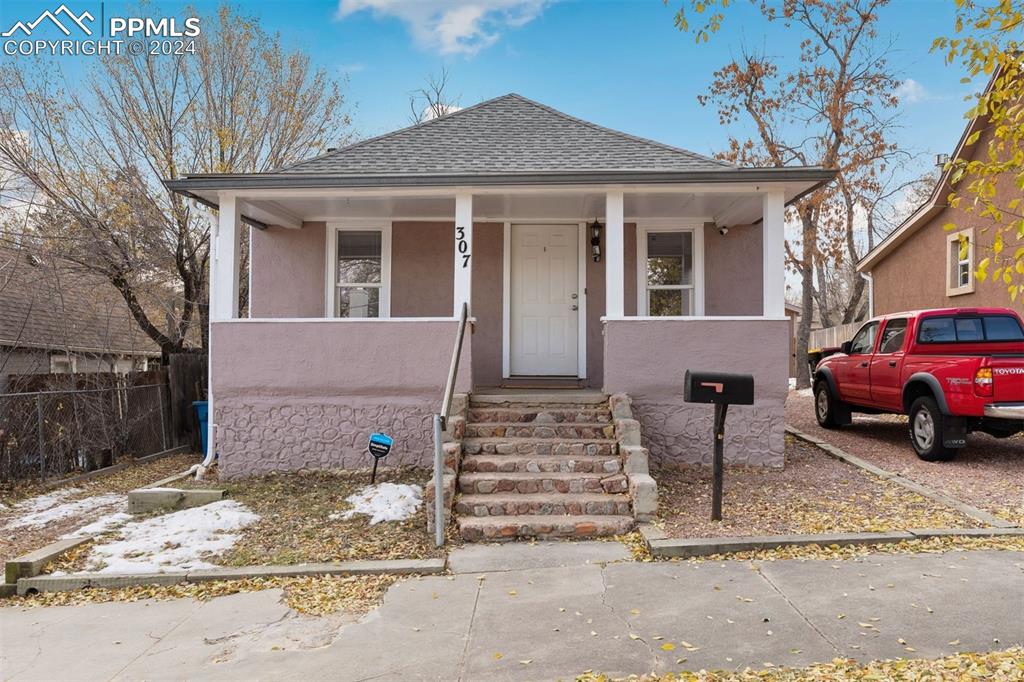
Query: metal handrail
[{"x": 441, "y": 423}]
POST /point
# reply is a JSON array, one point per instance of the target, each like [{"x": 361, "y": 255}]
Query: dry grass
[
  {"x": 814, "y": 493},
  {"x": 997, "y": 666},
  {"x": 21, "y": 540},
  {"x": 295, "y": 526},
  {"x": 315, "y": 595}
]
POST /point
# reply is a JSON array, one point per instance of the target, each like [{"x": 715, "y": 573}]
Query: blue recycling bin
[{"x": 202, "y": 413}]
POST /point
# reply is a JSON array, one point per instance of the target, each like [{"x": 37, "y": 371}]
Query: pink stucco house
[{"x": 589, "y": 259}]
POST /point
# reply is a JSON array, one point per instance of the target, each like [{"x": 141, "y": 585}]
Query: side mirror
[{"x": 845, "y": 348}]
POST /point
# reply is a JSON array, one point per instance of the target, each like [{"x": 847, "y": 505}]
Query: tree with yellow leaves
[{"x": 987, "y": 41}]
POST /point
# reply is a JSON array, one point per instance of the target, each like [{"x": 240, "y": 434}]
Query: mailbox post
[
  {"x": 722, "y": 390},
  {"x": 380, "y": 446}
]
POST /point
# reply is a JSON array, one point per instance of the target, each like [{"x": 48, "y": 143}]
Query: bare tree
[
  {"x": 835, "y": 107},
  {"x": 433, "y": 100},
  {"x": 98, "y": 152}
]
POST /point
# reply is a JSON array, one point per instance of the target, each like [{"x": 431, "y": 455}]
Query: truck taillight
[{"x": 983, "y": 382}]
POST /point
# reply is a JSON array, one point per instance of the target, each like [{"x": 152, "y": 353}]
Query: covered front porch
[{"x": 355, "y": 295}]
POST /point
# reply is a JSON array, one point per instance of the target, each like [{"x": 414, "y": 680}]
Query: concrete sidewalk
[{"x": 545, "y": 620}]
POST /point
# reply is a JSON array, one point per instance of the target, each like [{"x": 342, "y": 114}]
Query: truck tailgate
[{"x": 1008, "y": 378}]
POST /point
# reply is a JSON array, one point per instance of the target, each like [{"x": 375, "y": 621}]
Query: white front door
[{"x": 544, "y": 322}]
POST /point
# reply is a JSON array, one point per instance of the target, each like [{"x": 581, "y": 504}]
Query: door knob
[
  {"x": 574, "y": 297},
  {"x": 575, "y": 307}
]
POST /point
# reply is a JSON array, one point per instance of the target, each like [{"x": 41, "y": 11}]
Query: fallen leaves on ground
[
  {"x": 814, "y": 493},
  {"x": 637, "y": 545},
  {"x": 295, "y": 525},
  {"x": 315, "y": 595},
  {"x": 995, "y": 665}
]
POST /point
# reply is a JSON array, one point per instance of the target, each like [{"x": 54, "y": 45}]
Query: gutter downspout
[
  {"x": 211, "y": 428},
  {"x": 871, "y": 292}
]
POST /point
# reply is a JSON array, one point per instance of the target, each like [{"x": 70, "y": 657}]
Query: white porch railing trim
[
  {"x": 693, "y": 318},
  {"x": 339, "y": 320}
]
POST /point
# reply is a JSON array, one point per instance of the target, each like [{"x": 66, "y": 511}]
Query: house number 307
[{"x": 462, "y": 245}]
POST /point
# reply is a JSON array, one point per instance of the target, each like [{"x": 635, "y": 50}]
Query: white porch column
[
  {"x": 227, "y": 251},
  {"x": 773, "y": 248},
  {"x": 463, "y": 251},
  {"x": 615, "y": 255}
]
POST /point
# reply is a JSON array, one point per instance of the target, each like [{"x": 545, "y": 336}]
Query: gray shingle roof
[
  {"x": 505, "y": 135},
  {"x": 46, "y": 302}
]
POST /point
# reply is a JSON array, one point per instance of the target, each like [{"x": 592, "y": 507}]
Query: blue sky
[{"x": 621, "y": 64}]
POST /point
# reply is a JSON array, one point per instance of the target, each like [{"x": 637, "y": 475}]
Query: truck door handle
[
  {"x": 892, "y": 363},
  {"x": 863, "y": 364}
]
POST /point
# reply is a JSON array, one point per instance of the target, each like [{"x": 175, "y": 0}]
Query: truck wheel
[
  {"x": 926, "y": 427},
  {"x": 826, "y": 406}
]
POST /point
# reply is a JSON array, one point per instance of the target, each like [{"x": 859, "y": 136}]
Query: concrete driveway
[{"x": 553, "y": 614}]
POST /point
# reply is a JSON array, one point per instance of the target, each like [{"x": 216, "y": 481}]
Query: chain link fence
[{"x": 57, "y": 432}]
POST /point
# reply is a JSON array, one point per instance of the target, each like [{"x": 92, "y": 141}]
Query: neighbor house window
[
  {"x": 63, "y": 364},
  {"x": 668, "y": 272},
  {"x": 960, "y": 248},
  {"x": 358, "y": 285}
]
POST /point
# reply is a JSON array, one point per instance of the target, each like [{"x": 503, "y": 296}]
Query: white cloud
[
  {"x": 910, "y": 91},
  {"x": 451, "y": 26}
]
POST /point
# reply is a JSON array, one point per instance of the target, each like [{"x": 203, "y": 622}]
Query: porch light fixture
[{"x": 595, "y": 240}]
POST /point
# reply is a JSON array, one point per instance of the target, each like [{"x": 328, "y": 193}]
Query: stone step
[
  {"x": 540, "y": 414},
  {"x": 539, "y": 446},
  {"x": 540, "y": 430},
  {"x": 496, "y": 528},
  {"x": 547, "y": 504},
  {"x": 608, "y": 464},
  {"x": 550, "y": 397},
  {"x": 485, "y": 483}
]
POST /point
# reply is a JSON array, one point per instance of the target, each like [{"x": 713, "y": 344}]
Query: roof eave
[{"x": 207, "y": 182}]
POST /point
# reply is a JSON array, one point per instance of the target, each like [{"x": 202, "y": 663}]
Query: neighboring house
[
  {"x": 920, "y": 264},
  {"x": 362, "y": 258},
  {"x": 55, "y": 318}
]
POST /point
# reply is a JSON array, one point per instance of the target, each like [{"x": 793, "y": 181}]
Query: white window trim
[
  {"x": 670, "y": 225},
  {"x": 954, "y": 238},
  {"x": 331, "y": 286}
]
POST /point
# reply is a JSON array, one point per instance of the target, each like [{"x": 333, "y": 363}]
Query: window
[
  {"x": 359, "y": 272},
  {"x": 961, "y": 263},
  {"x": 893, "y": 335},
  {"x": 668, "y": 272},
  {"x": 1002, "y": 328},
  {"x": 63, "y": 364},
  {"x": 864, "y": 340},
  {"x": 970, "y": 329}
]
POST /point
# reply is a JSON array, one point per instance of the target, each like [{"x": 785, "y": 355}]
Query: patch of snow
[
  {"x": 384, "y": 502},
  {"x": 806, "y": 393},
  {"x": 44, "y": 509},
  {"x": 792, "y": 383},
  {"x": 175, "y": 541},
  {"x": 101, "y": 525}
]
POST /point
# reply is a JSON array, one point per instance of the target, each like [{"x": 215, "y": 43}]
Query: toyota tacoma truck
[{"x": 951, "y": 371}]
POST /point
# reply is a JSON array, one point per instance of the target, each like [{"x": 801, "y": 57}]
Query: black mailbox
[{"x": 718, "y": 387}]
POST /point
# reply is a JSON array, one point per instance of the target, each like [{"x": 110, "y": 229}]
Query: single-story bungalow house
[{"x": 592, "y": 263}]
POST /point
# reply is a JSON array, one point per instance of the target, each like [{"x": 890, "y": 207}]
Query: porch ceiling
[{"x": 737, "y": 207}]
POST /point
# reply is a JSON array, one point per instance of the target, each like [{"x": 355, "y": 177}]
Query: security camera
[{"x": 723, "y": 230}]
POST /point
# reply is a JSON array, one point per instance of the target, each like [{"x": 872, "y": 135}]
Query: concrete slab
[
  {"x": 563, "y": 620},
  {"x": 554, "y": 618},
  {"x": 483, "y": 558},
  {"x": 726, "y": 612},
  {"x": 927, "y": 600},
  {"x": 698, "y": 547},
  {"x": 32, "y": 564}
]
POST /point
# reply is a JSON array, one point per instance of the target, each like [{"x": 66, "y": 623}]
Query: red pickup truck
[{"x": 951, "y": 371}]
